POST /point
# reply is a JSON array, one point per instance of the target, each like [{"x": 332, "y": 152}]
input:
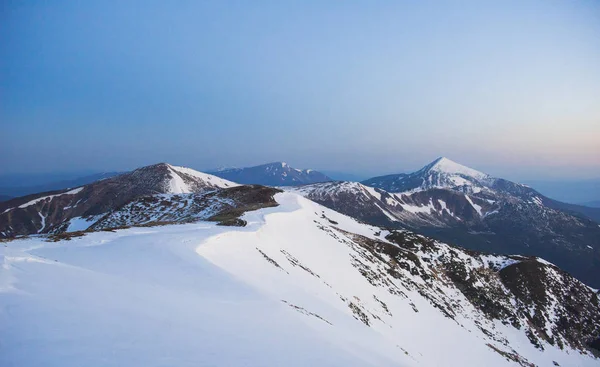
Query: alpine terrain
[
  {"x": 460, "y": 205},
  {"x": 272, "y": 174},
  {"x": 169, "y": 266}
]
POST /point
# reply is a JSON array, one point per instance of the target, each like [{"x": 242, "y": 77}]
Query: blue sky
[{"x": 508, "y": 87}]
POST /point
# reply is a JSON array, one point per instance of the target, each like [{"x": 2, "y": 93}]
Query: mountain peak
[
  {"x": 441, "y": 173},
  {"x": 445, "y": 165}
]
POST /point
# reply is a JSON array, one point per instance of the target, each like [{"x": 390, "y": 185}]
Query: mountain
[
  {"x": 457, "y": 204},
  {"x": 441, "y": 173},
  {"x": 57, "y": 211},
  {"x": 272, "y": 174},
  {"x": 5, "y": 197},
  {"x": 24, "y": 189},
  {"x": 446, "y": 174},
  {"x": 298, "y": 285}
]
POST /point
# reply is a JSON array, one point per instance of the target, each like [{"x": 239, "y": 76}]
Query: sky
[{"x": 511, "y": 88}]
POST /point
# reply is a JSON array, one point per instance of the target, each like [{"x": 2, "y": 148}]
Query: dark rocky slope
[{"x": 49, "y": 212}]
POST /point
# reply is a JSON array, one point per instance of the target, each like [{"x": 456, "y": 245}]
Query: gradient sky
[{"x": 508, "y": 87}]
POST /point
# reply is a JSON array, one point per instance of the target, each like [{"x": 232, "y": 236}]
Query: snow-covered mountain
[
  {"x": 272, "y": 174},
  {"x": 441, "y": 173},
  {"x": 54, "y": 211},
  {"x": 298, "y": 285},
  {"x": 457, "y": 204}
]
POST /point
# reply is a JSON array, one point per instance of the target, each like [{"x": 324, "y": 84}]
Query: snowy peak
[
  {"x": 186, "y": 180},
  {"x": 447, "y": 166},
  {"x": 442, "y": 173},
  {"x": 273, "y": 174}
]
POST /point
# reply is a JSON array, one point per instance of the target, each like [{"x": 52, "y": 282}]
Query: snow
[
  {"x": 475, "y": 206},
  {"x": 419, "y": 209},
  {"x": 178, "y": 186},
  {"x": 540, "y": 260},
  {"x": 371, "y": 191},
  {"x": 206, "y": 295},
  {"x": 74, "y": 191},
  {"x": 536, "y": 200},
  {"x": 392, "y": 200},
  {"x": 498, "y": 262},
  {"x": 43, "y": 198},
  {"x": 490, "y": 213},
  {"x": 82, "y": 223},
  {"x": 459, "y": 181},
  {"x": 387, "y": 214},
  {"x": 445, "y": 165},
  {"x": 445, "y": 207},
  {"x": 43, "y": 219}
]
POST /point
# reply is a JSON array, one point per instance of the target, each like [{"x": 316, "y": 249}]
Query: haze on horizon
[{"x": 511, "y": 88}]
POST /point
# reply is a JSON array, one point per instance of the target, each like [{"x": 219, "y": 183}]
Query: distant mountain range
[
  {"x": 458, "y": 204},
  {"x": 272, "y": 174}
]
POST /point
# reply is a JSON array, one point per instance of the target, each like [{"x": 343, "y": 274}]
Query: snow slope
[
  {"x": 286, "y": 290},
  {"x": 178, "y": 185},
  {"x": 445, "y": 165}
]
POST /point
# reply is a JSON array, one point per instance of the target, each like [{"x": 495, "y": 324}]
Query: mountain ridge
[{"x": 272, "y": 174}]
